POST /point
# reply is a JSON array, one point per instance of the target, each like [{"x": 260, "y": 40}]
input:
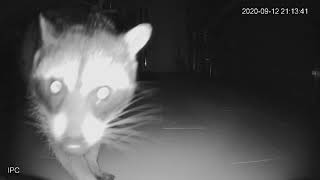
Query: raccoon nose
[{"x": 75, "y": 145}]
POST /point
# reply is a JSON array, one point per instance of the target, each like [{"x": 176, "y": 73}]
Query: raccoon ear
[
  {"x": 137, "y": 37},
  {"x": 47, "y": 31}
]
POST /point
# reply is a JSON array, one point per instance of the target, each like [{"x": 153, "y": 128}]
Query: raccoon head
[{"x": 82, "y": 80}]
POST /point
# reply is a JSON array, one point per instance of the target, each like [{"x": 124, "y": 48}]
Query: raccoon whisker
[
  {"x": 135, "y": 139},
  {"x": 135, "y": 100},
  {"x": 122, "y": 131},
  {"x": 145, "y": 90},
  {"x": 125, "y": 121},
  {"x": 110, "y": 136},
  {"x": 124, "y": 105},
  {"x": 39, "y": 127},
  {"x": 130, "y": 105},
  {"x": 114, "y": 133},
  {"x": 148, "y": 107},
  {"x": 127, "y": 132},
  {"x": 143, "y": 115},
  {"x": 121, "y": 140},
  {"x": 144, "y": 106},
  {"x": 35, "y": 124},
  {"x": 132, "y": 122},
  {"x": 115, "y": 144},
  {"x": 129, "y": 140},
  {"x": 134, "y": 112},
  {"x": 141, "y": 95}
]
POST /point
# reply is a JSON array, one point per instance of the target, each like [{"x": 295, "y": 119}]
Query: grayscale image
[{"x": 160, "y": 90}]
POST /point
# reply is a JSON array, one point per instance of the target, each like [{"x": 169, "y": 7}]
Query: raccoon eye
[
  {"x": 103, "y": 93},
  {"x": 55, "y": 87}
]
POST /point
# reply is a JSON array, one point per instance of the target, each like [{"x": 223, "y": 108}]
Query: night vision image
[{"x": 159, "y": 90}]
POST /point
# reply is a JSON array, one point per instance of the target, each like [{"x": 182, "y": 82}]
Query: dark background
[{"x": 273, "y": 55}]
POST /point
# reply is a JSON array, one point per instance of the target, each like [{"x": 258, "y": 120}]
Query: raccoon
[{"x": 81, "y": 81}]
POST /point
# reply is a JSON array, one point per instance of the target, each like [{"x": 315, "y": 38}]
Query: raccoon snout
[{"x": 75, "y": 145}]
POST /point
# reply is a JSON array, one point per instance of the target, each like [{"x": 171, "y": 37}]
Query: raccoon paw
[{"x": 106, "y": 176}]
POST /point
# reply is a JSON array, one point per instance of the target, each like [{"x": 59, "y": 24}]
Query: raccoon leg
[
  {"x": 92, "y": 159},
  {"x": 75, "y": 165}
]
